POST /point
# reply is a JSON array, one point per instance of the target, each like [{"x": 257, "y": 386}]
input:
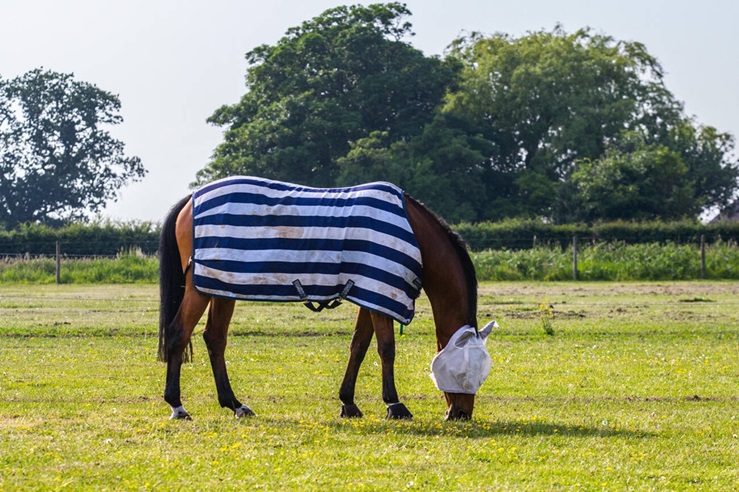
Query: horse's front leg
[
  {"x": 386, "y": 348},
  {"x": 358, "y": 349},
  {"x": 177, "y": 338},
  {"x": 215, "y": 336}
]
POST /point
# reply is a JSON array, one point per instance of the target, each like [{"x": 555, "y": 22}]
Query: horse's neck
[{"x": 444, "y": 279}]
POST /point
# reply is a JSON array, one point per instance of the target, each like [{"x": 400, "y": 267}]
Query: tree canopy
[
  {"x": 556, "y": 125},
  {"x": 57, "y": 162},
  {"x": 557, "y": 106},
  {"x": 327, "y": 83}
]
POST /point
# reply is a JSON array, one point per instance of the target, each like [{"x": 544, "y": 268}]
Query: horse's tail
[{"x": 171, "y": 277}]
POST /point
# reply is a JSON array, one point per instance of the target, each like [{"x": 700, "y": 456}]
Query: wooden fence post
[
  {"x": 58, "y": 264},
  {"x": 703, "y": 256},
  {"x": 574, "y": 257}
]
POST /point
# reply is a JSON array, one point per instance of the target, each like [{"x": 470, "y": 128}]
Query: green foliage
[
  {"x": 547, "y": 99},
  {"x": 567, "y": 127},
  {"x": 421, "y": 165},
  {"x": 546, "y": 315},
  {"x": 533, "y": 264},
  {"x": 57, "y": 160},
  {"x": 645, "y": 184},
  {"x": 333, "y": 80},
  {"x": 563, "y": 112}
]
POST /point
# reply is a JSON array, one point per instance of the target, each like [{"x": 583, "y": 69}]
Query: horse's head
[{"x": 460, "y": 368}]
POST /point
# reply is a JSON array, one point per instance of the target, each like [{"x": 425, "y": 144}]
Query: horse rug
[{"x": 264, "y": 240}]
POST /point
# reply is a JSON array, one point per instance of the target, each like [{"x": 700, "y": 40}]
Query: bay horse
[{"x": 449, "y": 281}]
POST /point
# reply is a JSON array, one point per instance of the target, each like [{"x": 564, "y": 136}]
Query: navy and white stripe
[{"x": 253, "y": 238}]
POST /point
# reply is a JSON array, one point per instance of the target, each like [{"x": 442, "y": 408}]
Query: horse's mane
[{"x": 460, "y": 246}]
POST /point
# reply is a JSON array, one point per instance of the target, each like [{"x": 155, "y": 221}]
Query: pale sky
[{"x": 173, "y": 62}]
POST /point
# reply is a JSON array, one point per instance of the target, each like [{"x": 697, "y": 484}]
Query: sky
[{"x": 173, "y": 62}]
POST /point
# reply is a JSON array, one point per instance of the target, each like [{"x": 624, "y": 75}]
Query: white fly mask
[{"x": 463, "y": 365}]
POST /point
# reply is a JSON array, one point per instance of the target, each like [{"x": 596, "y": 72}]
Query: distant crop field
[{"x": 636, "y": 388}]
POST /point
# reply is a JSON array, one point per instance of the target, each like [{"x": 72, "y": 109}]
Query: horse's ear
[{"x": 487, "y": 329}]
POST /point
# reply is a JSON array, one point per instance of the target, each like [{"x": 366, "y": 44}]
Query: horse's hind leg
[
  {"x": 215, "y": 336},
  {"x": 178, "y": 338},
  {"x": 360, "y": 343},
  {"x": 383, "y": 326}
]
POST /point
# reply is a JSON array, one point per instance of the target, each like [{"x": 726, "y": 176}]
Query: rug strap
[{"x": 319, "y": 306}]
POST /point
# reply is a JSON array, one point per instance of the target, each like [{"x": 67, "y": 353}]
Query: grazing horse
[{"x": 448, "y": 277}]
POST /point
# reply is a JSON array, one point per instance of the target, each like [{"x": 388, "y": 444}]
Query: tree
[
  {"x": 550, "y": 101},
  {"x": 57, "y": 163},
  {"x": 711, "y": 167},
  {"x": 673, "y": 176},
  {"x": 549, "y": 98},
  {"x": 330, "y": 82},
  {"x": 496, "y": 129},
  {"x": 644, "y": 182},
  {"x": 441, "y": 166}
]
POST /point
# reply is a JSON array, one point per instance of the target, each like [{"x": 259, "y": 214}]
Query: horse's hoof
[
  {"x": 244, "y": 411},
  {"x": 180, "y": 413},
  {"x": 351, "y": 411},
  {"x": 398, "y": 411}
]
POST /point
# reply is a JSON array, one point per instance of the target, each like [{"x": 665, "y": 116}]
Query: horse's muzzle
[
  {"x": 457, "y": 414},
  {"x": 459, "y": 406}
]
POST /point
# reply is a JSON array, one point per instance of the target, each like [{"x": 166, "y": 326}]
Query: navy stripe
[
  {"x": 380, "y": 300},
  {"x": 309, "y": 245},
  {"x": 258, "y": 221},
  {"x": 298, "y": 201},
  {"x": 288, "y": 293},
  {"x": 334, "y": 269}
]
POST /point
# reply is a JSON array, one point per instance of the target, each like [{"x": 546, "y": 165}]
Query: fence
[
  {"x": 60, "y": 255},
  {"x": 527, "y": 234},
  {"x": 82, "y": 240},
  {"x": 702, "y": 251},
  {"x": 579, "y": 260}
]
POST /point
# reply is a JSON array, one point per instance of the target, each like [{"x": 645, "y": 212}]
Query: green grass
[
  {"x": 127, "y": 267},
  {"x": 638, "y": 389}
]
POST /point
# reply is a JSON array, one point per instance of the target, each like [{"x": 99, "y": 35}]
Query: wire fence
[{"x": 578, "y": 259}]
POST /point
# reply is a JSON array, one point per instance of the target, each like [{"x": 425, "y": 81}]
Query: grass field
[{"x": 637, "y": 389}]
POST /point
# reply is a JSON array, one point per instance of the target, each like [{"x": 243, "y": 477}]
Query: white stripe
[
  {"x": 306, "y": 192},
  {"x": 249, "y": 209},
  {"x": 329, "y": 233},
  {"x": 282, "y": 279},
  {"x": 290, "y": 256}
]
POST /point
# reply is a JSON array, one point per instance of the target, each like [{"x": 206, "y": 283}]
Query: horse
[{"x": 449, "y": 282}]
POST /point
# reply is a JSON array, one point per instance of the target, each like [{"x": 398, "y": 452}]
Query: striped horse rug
[{"x": 263, "y": 240}]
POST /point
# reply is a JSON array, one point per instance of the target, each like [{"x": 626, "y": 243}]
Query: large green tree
[
  {"x": 550, "y": 124},
  {"x": 332, "y": 81},
  {"x": 551, "y": 101},
  {"x": 57, "y": 160}
]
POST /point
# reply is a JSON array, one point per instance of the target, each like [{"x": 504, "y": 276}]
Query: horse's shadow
[{"x": 480, "y": 429}]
